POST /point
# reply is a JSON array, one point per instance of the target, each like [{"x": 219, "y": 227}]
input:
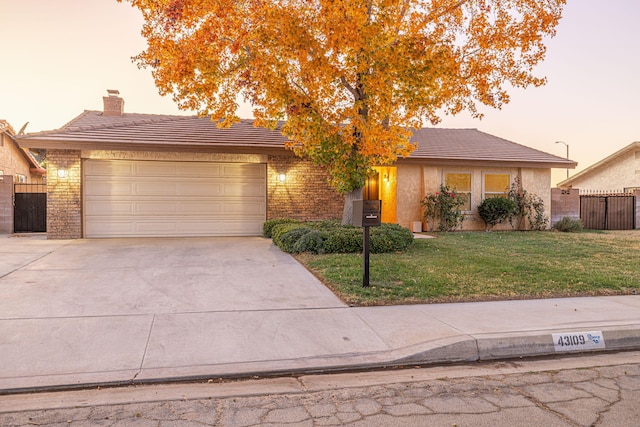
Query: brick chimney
[{"x": 113, "y": 104}]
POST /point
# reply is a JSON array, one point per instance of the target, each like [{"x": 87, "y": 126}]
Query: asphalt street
[{"x": 598, "y": 390}]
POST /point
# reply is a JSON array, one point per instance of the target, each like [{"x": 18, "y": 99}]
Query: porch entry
[
  {"x": 30, "y": 208},
  {"x": 383, "y": 186},
  {"x": 604, "y": 211}
]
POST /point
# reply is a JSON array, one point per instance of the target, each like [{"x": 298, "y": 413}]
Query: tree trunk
[{"x": 347, "y": 213}]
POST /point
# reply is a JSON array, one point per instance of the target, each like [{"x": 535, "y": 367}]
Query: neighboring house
[
  {"x": 619, "y": 172},
  {"x": 16, "y": 166},
  {"x": 112, "y": 173},
  {"x": 15, "y": 161}
]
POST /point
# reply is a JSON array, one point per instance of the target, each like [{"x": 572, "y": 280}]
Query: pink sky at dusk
[{"x": 59, "y": 57}]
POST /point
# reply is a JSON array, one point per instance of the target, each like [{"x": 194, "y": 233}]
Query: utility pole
[{"x": 566, "y": 145}]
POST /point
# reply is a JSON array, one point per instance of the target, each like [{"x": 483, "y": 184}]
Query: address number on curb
[{"x": 577, "y": 341}]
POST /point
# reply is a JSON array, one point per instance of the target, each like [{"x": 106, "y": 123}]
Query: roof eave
[
  {"x": 138, "y": 146},
  {"x": 488, "y": 163}
]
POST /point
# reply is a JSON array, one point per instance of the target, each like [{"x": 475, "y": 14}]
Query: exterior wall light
[
  {"x": 282, "y": 177},
  {"x": 62, "y": 173}
]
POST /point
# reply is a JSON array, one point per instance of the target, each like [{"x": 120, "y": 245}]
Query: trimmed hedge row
[{"x": 331, "y": 237}]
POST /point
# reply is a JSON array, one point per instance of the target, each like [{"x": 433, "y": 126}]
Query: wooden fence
[{"x": 608, "y": 210}]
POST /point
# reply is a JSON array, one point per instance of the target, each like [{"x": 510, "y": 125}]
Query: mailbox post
[{"x": 366, "y": 213}]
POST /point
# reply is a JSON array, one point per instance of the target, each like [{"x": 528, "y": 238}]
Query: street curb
[
  {"x": 501, "y": 346},
  {"x": 453, "y": 350}
]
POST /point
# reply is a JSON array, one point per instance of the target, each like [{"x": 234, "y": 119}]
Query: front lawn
[{"x": 479, "y": 266}]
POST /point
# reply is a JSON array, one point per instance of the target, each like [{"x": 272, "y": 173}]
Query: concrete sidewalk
[{"x": 97, "y": 312}]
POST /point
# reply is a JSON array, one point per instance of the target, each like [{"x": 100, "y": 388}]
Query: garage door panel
[
  {"x": 255, "y": 171},
  {"x": 206, "y": 170},
  {"x": 156, "y": 169},
  {"x": 148, "y": 198},
  {"x": 108, "y": 187},
  {"x": 107, "y": 168},
  {"x": 152, "y": 228},
  {"x": 108, "y": 228},
  {"x": 155, "y": 189},
  {"x": 109, "y": 207}
]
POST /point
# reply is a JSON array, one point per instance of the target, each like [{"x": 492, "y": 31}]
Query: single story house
[
  {"x": 619, "y": 172},
  {"x": 114, "y": 174}
]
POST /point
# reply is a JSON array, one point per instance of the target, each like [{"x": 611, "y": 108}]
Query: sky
[{"x": 59, "y": 57}]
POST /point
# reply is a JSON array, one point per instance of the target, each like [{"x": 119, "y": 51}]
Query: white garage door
[{"x": 129, "y": 198}]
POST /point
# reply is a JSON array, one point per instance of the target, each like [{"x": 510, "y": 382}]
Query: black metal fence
[
  {"x": 608, "y": 211},
  {"x": 30, "y": 208}
]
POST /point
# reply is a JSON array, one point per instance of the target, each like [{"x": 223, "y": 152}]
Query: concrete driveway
[
  {"x": 108, "y": 277},
  {"x": 85, "y": 311}
]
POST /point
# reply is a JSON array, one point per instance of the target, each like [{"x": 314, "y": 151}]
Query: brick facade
[
  {"x": 64, "y": 194},
  {"x": 305, "y": 193}
]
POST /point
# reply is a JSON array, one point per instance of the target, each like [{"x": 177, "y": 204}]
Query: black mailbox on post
[{"x": 367, "y": 213}]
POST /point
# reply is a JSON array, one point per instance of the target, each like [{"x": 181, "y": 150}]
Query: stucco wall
[
  {"x": 614, "y": 176},
  {"x": 416, "y": 181},
  {"x": 409, "y": 191}
]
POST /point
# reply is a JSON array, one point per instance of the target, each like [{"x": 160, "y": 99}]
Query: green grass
[{"x": 478, "y": 266}]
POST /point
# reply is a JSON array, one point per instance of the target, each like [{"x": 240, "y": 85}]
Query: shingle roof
[
  {"x": 472, "y": 144},
  {"x": 94, "y": 130},
  {"x": 133, "y": 128}
]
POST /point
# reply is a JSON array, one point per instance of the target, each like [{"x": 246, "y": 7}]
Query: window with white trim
[
  {"x": 496, "y": 185},
  {"x": 460, "y": 182},
  {"x": 21, "y": 179}
]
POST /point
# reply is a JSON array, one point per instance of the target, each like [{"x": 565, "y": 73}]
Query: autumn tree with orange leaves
[{"x": 349, "y": 78}]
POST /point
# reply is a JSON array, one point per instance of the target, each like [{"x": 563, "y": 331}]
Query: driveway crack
[{"x": 146, "y": 347}]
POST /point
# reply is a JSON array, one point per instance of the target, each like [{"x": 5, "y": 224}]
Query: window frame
[
  {"x": 469, "y": 193},
  {"x": 504, "y": 193}
]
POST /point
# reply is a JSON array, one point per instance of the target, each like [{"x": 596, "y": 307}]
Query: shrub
[
  {"x": 443, "y": 206},
  {"x": 537, "y": 219},
  {"x": 332, "y": 237},
  {"x": 343, "y": 240},
  {"x": 390, "y": 238},
  {"x": 327, "y": 224},
  {"x": 267, "y": 226},
  {"x": 569, "y": 225},
  {"x": 526, "y": 205},
  {"x": 311, "y": 242},
  {"x": 287, "y": 241},
  {"x": 280, "y": 229},
  {"x": 495, "y": 210}
]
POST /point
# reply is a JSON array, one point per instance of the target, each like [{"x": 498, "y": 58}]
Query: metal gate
[
  {"x": 608, "y": 211},
  {"x": 30, "y": 208}
]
